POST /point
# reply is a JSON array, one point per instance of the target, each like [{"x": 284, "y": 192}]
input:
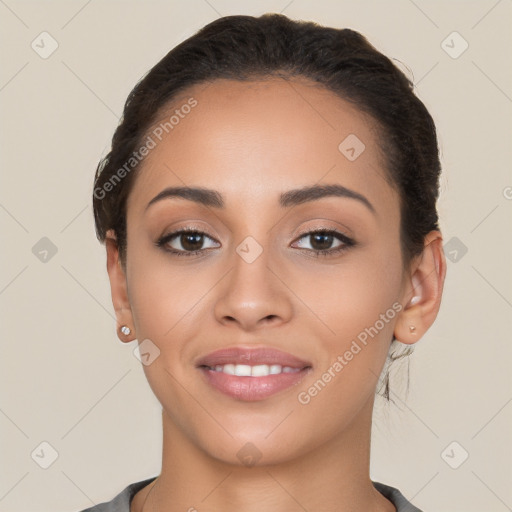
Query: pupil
[
  {"x": 192, "y": 241},
  {"x": 325, "y": 241}
]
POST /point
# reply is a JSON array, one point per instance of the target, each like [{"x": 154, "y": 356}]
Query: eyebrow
[{"x": 214, "y": 199}]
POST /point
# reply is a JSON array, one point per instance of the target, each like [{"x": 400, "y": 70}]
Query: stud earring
[
  {"x": 412, "y": 328},
  {"x": 414, "y": 300},
  {"x": 125, "y": 330}
]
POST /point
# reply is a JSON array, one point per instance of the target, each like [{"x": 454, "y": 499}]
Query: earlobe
[
  {"x": 119, "y": 290},
  {"x": 423, "y": 295}
]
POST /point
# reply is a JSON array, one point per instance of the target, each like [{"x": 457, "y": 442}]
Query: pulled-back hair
[{"x": 249, "y": 48}]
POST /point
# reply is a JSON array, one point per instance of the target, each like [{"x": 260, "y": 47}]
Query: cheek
[
  {"x": 358, "y": 309},
  {"x": 164, "y": 296},
  {"x": 165, "y": 303},
  {"x": 345, "y": 299},
  {"x": 171, "y": 304}
]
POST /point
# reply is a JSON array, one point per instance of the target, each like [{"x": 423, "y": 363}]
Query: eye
[
  {"x": 321, "y": 240},
  {"x": 190, "y": 242},
  {"x": 185, "y": 242}
]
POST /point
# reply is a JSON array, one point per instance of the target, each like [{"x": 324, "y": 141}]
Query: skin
[{"x": 251, "y": 142}]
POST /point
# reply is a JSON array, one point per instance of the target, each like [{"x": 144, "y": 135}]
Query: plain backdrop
[{"x": 66, "y": 380}]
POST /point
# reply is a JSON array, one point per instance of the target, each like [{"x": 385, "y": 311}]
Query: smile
[
  {"x": 252, "y": 383},
  {"x": 260, "y": 370}
]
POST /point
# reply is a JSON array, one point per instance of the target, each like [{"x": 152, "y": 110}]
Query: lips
[
  {"x": 252, "y": 374},
  {"x": 252, "y": 357}
]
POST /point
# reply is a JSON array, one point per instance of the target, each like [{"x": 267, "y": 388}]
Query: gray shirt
[{"x": 121, "y": 503}]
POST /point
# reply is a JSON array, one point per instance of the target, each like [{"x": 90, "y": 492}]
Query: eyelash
[{"x": 347, "y": 242}]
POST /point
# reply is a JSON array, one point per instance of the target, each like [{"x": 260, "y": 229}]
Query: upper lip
[{"x": 251, "y": 356}]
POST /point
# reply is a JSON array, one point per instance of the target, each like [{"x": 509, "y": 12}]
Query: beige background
[{"x": 67, "y": 380}]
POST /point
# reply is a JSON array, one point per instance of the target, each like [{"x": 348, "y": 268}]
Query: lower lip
[{"x": 251, "y": 389}]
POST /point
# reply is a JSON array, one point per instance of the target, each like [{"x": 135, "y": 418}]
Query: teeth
[
  {"x": 261, "y": 370},
  {"x": 275, "y": 368},
  {"x": 229, "y": 369},
  {"x": 242, "y": 370}
]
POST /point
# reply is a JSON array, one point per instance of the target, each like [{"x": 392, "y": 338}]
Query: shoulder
[
  {"x": 121, "y": 502},
  {"x": 401, "y": 503}
]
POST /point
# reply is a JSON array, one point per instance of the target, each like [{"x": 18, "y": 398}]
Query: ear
[
  {"x": 423, "y": 292},
  {"x": 119, "y": 289}
]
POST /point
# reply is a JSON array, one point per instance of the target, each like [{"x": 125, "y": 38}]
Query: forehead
[{"x": 254, "y": 140}]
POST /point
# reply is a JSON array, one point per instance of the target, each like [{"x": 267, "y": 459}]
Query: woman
[{"x": 268, "y": 208}]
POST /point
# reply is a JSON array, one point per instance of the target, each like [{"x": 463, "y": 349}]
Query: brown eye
[
  {"x": 185, "y": 242},
  {"x": 321, "y": 242},
  {"x": 191, "y": 241}
]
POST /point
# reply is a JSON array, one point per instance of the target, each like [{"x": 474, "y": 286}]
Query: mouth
[{"x": 252, "y": 374}]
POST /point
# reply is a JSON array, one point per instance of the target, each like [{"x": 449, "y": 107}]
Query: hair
[{"x": 245, "y": 48}]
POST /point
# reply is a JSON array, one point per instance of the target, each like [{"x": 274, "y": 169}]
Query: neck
[{"x": 332, "y": 477}]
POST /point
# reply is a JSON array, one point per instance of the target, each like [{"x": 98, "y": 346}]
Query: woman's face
[{"x": 259, "y": 279}]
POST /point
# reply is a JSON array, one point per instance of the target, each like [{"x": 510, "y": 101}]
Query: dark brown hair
[{"x": 245, "y": 48}]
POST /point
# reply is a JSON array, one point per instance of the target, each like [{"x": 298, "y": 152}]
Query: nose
[{"x": 254, "y": 295}]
